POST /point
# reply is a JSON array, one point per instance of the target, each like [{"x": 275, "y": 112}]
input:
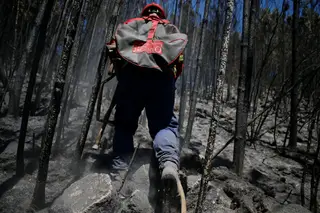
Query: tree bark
[
  {"x": 305, "y": 169},
  {"x": 195, "y": 91},
  {"x": 71, "y": 72},
  {"x": 217, "y": 99},
  {"x": 21, "y": 71},
  {"x": 45, "y": 9},
  {"x": 96, "y": 87},
  {"x": 183, "y": 93},
  {"x": 283, "y": 47},
  {"x": 61, "y": 30},
  {"x": 229, "y": 77},
  {"x": 315, "y": 175},
  {"x": 50, "y": 50},
  {"x": 176, "y": 11},
  {"x": 104, "y": 5},
  {"x": 215, "y": 47},
  {"x": 294, "y": 92},
  {"x": 194, "y": 49},
  {"x": 3, "y": 78},
  {"x": 38, "y": 198},
  {"x": 244, "y": 85},
  {"x": 13, "y": 59}
]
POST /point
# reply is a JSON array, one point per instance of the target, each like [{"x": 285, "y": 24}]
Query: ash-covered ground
[{"x": 271, "y": 182}]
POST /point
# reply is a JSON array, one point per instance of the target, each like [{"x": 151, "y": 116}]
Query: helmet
[{"x": 153, "y": 8}]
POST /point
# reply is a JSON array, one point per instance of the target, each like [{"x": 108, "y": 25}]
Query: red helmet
[{"x": 153, "y": 8}]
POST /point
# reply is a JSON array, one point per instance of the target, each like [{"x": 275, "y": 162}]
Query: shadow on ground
[{"x": 11, "y": 182}]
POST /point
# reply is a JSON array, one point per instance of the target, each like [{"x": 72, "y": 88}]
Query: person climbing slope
[{"x": 150, "y": 59}]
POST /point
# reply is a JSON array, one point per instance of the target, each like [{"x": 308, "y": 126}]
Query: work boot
[
  {"x": 169, "y": 179},
  {"x": 119, "y": 166},
  {"x": 170, "y": 171},
  {"x": 120, "y": 162}
]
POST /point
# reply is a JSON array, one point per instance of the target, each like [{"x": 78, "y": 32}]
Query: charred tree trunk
[
  {"x": 87, "y": 68},
  {"x": 96, "y": 87},
  {"x": 14, "y": 55},
  {"x": 16, "y": 89},
  {"x": 315, "y": 175},
  {"x": 48, "y": 55},
  {"x": 217, "y": 99},
  {"x": 183, "y": 93},
  {"x": 44, "y": 11},
  {"x": 3, "y": 78},
  {"x": 195, "y": 91},
  {"x": 244, "y": 85},
  {"x": 215, "y": 48},
  {"x": 54, "y": 58},
  {"x": 230, "y": 76},
  {"x": 283, "y": 48},
  {"x": 38, "y": 199},
  {"x": 305, "y": 169},
  {"x": 176, "y": 11},
  {"x": 294, "y": 92},
  {"x": 194, "y": 50},
  {"x": 71, "y": 72}
]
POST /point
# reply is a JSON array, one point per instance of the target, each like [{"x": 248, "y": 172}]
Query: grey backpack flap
[{"x": 141, "y": 41}]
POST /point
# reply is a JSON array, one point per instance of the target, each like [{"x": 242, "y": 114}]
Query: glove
[{"x": 178, "y": 67}]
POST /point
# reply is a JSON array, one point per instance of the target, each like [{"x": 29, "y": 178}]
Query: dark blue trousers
[{"x": 155, "y": 91}]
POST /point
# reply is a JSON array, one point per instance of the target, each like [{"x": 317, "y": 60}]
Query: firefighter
[{"x": 142, "y": 87}]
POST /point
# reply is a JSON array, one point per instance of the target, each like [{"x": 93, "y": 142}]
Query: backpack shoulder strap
[{"x": 155, "y": 21}]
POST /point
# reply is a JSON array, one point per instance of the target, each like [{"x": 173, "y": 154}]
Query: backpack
[{"x": 149, "y": 42}]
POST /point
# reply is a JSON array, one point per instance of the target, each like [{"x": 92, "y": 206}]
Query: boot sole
[{"x": 173, "y": 195}]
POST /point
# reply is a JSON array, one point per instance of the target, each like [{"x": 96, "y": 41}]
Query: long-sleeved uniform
[{"x": 154, "y": 90}]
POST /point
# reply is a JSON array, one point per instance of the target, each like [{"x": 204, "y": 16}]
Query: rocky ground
[{"x": 271, "y": 183}]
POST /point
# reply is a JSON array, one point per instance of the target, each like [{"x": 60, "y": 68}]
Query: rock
[
  {"x": 203, "y": 113},
  {"x": 190, "y": 159},
  {"x": 220, "y": 209},
  {"x": 10, "y": 128},
  {"x": 222, "y": 173},
  {"x": 267, "y": 137},
  {"x": 234, "y": 187},
  {"x": 137, "y": 187},
  {"x": 212, "y": 194},
  {"x": 226, "y": 125},
  {"x": 84, "y": 195},
  {"x": 263, "y": 181},
  {"x": 296, "y": 171},
  {"x": 223, "y": 199},
  {"x": 46, "y": 210},
  {"x": 282, "y": 130},
  {"x": 291, "y": 208},
  {"x": 200, "y": 114},
  {"x": 193, "y": 180},
  {"x": 210, "y": 200},
  {"x": 246, "y": 204},
  {"x": 269, "y": 203},
  {"x": 139, "y": 202},
  {"x": 283, "y": 168}
]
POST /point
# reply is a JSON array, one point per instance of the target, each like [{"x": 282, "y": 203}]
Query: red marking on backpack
[{"x": 150, "y": 47}]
